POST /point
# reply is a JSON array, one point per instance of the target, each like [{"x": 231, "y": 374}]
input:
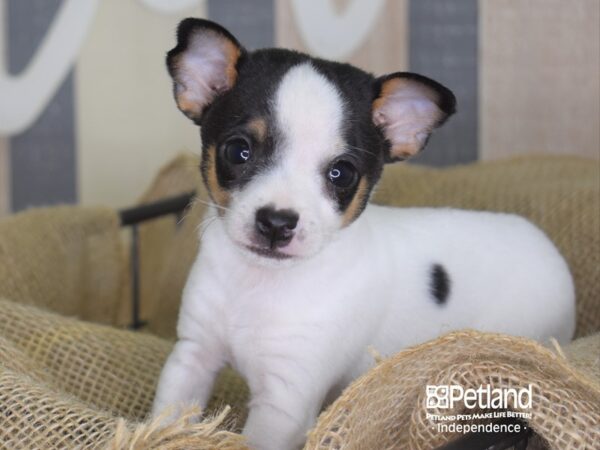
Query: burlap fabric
[
  {"x": 68, "y": 260},
  {"x": 68, "y": 384},
  {"x": 65, "y": 383},
  {"x": 559, "y": 194},
  {"x": 390, "y": 399}
]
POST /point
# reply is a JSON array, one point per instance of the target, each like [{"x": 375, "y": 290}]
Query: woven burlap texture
[
  {"x": 559, "y": 194},
  {"x": 67, "y": 259},
  {"x": 67, "y": 384},
  {"x": 386, "y": 408}
]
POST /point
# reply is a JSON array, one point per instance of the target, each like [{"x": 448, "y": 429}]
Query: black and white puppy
[{"x": 297, "y": 274}]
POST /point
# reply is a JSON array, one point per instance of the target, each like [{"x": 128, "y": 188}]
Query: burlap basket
[{"x": 68, "y": 383}]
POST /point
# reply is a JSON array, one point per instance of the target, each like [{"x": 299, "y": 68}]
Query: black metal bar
[
  {"x": 492, "y": 440},
  {"x": 156, "y": 209},
  {"x": 135, "y": 279},
  {"x": 134, "y": 216}
]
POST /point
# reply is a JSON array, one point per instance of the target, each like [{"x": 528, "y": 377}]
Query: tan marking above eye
[
  {"x": 355, "y": 206},
  {"x": 219, "y": 195},
  {"x": 258, "y": 126}
]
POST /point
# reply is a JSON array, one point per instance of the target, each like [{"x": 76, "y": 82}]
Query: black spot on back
[{"x": 440, "y": 284}]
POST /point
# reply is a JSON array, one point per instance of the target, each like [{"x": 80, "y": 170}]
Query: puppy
[{"x": 297, "y": 274}]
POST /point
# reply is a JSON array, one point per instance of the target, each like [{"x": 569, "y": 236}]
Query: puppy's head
[{"x": 292, "y": 145}]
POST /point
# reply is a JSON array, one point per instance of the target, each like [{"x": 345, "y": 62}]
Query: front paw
[{"x": 275, "y": 429}]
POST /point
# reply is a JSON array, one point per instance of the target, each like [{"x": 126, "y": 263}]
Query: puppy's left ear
[
  {"x": 407, "y": 109},
  {"x": 202, "y": 65}
]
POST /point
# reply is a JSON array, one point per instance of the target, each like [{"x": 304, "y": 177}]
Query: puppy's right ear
[{"x": 202, "y": 65}]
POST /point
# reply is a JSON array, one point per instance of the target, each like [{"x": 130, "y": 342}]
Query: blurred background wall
[{"x": 86, "y": 113}]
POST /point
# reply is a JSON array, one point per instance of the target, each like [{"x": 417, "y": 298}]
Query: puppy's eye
[
  {"x": 237, "y": 151},
  {"x": 342, "y": 174}
]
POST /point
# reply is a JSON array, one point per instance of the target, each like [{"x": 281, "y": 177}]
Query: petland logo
[{"x": 445, "y": 396}]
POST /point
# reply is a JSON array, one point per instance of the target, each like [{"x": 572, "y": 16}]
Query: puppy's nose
[{"x": 276, "y": 226}]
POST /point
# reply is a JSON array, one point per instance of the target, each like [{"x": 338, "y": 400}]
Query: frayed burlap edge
[{"x": 181, "y": 434}]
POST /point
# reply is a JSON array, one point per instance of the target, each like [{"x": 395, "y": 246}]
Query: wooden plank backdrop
[
  {"x": 539, "y": 77},
  {"x": 384, "y": 50},
  {"x": 4, "y": 149},
  {"x": 4, "y": 178}
]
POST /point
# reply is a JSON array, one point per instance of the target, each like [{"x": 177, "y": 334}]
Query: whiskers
[
  {"x": 203, "y": 225},
  {"x": 361, "y": 150},
  {"x": 195, "y": 200},
  {"x": 210, "y": 203},
  {"x": 210, "y": 218}
]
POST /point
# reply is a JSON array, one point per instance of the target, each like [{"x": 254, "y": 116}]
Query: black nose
[{"x": 276, "y": 226}]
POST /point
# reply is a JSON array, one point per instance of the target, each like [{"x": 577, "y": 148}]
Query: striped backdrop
[{"x": 86, "y": 113}]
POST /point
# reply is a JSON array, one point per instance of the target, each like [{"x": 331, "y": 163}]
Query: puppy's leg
[
  {"x": 281, "y": 414},
  {"x": 188, "y": 377}
]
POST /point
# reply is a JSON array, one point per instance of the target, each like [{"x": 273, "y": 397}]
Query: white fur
[
  {"x": 305, "y": 101},
  {"x": 299, "y": 330}
]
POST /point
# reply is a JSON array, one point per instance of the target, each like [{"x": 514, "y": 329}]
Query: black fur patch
[{"x": 440, "y": 284}]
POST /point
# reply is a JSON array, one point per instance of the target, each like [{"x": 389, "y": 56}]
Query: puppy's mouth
[{"x": 268, "y": 253}]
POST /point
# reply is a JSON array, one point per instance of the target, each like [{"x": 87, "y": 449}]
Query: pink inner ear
[
  {"x": 407, "y": 113},
  {"x": 205, "y": 69}
]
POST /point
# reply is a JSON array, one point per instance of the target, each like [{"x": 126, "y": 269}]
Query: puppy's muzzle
[{"x": 275, "y": 227}]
